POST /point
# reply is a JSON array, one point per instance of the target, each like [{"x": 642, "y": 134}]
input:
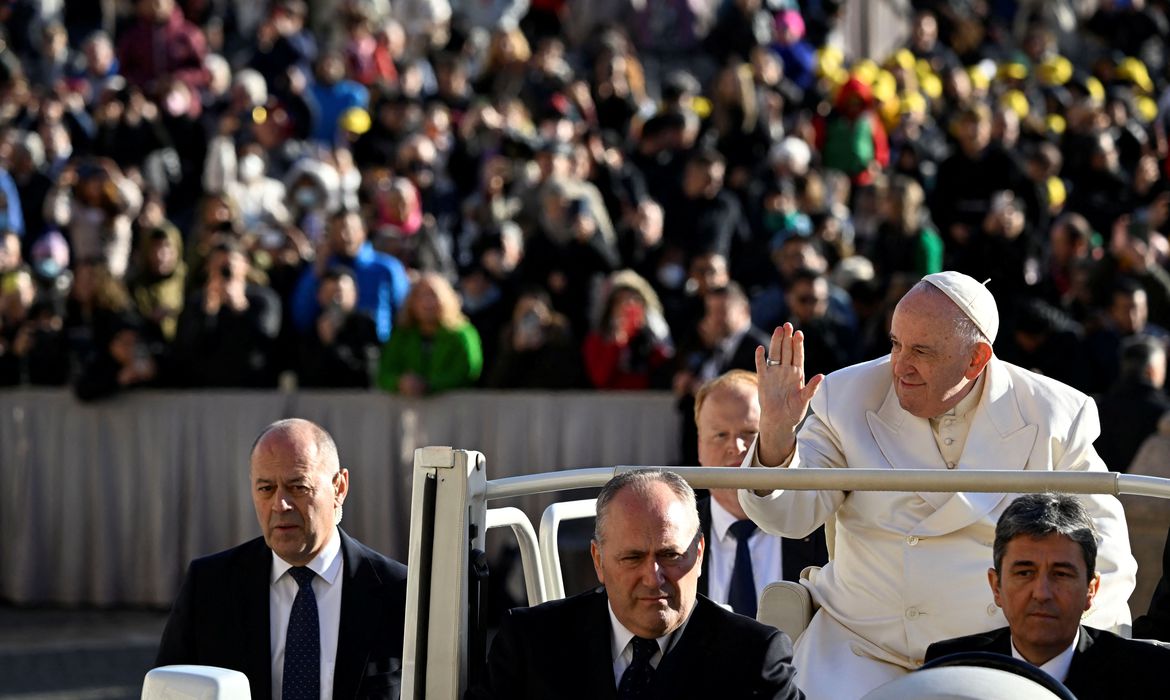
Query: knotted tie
[
  {"x": 302, "y": 646},
  {"x": 636, "y": 679},
  {"x": 741, "y": 592}
]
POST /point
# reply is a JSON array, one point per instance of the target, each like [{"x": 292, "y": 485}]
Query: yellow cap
[
  {"x": 866, "y": 71},
  {"x": 979, "y": 79},
  {"x": 1095, "y": 88},
  {"x": 931, "y": 86},
  {"x": 913, "y": 102},
  {"x": 885, "y": 87},
  {"x": 828, "y": 60},
  {"x": 1146, "y": 109},
  {"x": 1055, "y": 70},
  {"x": 1055, "y": 123},
  {"x": 923, "y": 68},
  {"x": 1057, "y": 194},
  {"x": 1013, "y": 71},
  {"x": 890, "y": 111},
  {"x": 1016, "y": 101},
  {"x": 701, "y": 106},
  {"x": 1135, "y": 71},
  {"x": 903, "y": 59},
  {"x": 355, "y": 120}
]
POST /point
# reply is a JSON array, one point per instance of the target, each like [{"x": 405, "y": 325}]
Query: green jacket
[{"x": 453, "y": 359}]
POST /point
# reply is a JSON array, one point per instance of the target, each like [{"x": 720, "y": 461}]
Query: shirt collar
[
  {"x": 728, "y": 344},
  {"x": 620, "y": 636},
  {"x": 967, "y": 403},
  {"x": 1057, "y": 666},
  {"x": 326, "y": 564},
  {"x": 721, "y": 521}
]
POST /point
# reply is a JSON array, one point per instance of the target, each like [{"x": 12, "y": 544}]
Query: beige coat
[{"x": 911, "y": 568}]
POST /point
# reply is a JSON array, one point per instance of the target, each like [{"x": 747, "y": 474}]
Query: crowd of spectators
[{"x": 429, "y": 194}]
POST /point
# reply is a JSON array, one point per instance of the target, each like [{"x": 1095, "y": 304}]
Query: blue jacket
[{"x": 382, "y": 285}]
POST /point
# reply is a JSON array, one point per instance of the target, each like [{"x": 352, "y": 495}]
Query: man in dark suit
[
  {"x": 1044, "y": 578},
  {"x": 305, "y": 611},
  {"x": 725, "y": 340},
  {"x": 735, "y": 571},
  {"x": 1155, "y": 624},
  {"x": 647, "y": 633}
]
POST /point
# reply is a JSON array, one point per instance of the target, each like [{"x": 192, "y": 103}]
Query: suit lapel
[
  {"x": 596, "y": 635},
  {"x": 1082, "y": 672},
  {"x": 690, "y": 652},
  {"x": 1000, "y": 438},
  {"x": 704, "y": 508},
  {"x": 255, "y": 587},
  {"x": 906, "y": 441},
  {"x": 359, "y": 604}
]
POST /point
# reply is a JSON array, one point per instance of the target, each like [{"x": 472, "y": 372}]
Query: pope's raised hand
[{"x": 784, "y": 394}]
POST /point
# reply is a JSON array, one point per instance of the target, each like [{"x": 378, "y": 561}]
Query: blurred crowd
[{"x": 422, "y": 195}]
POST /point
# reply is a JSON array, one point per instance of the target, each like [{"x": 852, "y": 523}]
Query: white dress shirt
[
  {"x": 767, "y": 562},
  {"x": 623, "y": 651},
  {"x": 1057, "y": 666},
  {"x": 327, "y": 589}
]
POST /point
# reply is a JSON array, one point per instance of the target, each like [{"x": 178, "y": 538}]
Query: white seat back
[
  {"x": 786, "y": 605},
  {"x": 195, "y": 683}
]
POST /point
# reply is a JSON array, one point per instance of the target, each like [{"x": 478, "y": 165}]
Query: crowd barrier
[{"x": 105, "y": 503}]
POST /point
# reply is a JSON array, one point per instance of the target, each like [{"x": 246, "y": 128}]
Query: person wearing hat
[{"x": 910, "y": 568}]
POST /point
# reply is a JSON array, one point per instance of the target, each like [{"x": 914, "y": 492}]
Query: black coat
[
  {"x": 1155, "y": 624},
  {"x": 221, "y": 619},
  {"x": 562, "y": 649},
  {"x": 1104, "y": 665}
]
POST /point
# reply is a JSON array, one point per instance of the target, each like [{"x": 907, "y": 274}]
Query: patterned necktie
[
  {"x": 636, "y": 679},
  {"x": 741, "y": 592},
  {"x": 302, "y": 646}
]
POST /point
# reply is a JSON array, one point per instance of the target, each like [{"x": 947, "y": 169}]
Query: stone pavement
[{"x": 56, "y": 654}]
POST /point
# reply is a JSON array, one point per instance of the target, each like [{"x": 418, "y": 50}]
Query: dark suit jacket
[
  {"x": 221, "y": 619},
  {"x": 1104, "y": 665},
  {"x": 794, "y": 554},
  {"x": 562, "y": 650},
  {"x": 1155, "y": 624}
]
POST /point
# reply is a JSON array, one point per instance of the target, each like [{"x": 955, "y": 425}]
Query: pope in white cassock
[{"x": 911, "y": 568}]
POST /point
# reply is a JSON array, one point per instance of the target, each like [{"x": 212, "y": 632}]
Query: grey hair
[
  {"x": 322, "y": 440},
  {"x": 1041, "y": 514},
  {"x": 962, "y": 327},
  {"x": 1138, "y": 353},
  {"x": 640, "y": 481}
]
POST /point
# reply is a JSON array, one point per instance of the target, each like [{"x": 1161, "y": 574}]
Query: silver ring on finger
[{"x": 772, "y": 363}]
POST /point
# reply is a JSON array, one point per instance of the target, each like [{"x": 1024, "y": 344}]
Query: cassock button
[
  {"x": 912, "y": 540},
  {"x": 949, "y": 441},
  {"x": 912, "y": 614},
  {"x": 951, "y": 465}
]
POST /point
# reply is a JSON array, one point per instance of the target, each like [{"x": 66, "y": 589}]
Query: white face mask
[
  {"x": 672, "y": 275},
  {"x": 251, "y": 167}
]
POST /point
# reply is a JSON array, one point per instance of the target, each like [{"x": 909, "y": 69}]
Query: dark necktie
[
  {"x": 302, "y": 646},
  {"x": 741, "y": 592},
  {"x": 636, "y": 679}
]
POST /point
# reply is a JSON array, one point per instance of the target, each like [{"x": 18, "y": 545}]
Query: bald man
[{"x": 305, "y": 611}]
